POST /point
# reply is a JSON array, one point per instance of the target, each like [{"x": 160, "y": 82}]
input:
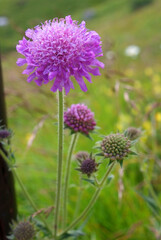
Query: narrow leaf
[
  {"x": 89, "y": 180},
  {"x": 132, "y": 153},
  {"x": 99, "y": 154},
  {"x": 110, "y": 178}
]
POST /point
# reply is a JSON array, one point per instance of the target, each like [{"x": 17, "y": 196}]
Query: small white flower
[
  {"x": 110, "y": 55},
  {"x": 3, "y": 21},
  {"x": 132, "y": 51}
]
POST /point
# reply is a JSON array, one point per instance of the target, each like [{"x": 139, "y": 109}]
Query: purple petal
[
  {"x": 94, "y": 71},
  {"x": 86, "y": 75},
  {"x": 52, "y": 75},
  {"x": 97, "y": 63},
  {"x": 68, "y": 19},
  {"x": 56, "y": 85},
  {"x": 29, "y": 33},
  {"x": 39, "y": 81},
  {"x": 21, "y": 61},
  {"x": 28, "y": 70},
  {"x": 31, "y": 77},
  {"x": 81, "y": 82}
]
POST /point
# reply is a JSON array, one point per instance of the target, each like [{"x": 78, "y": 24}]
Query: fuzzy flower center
[{"x": 61, "y": 41}]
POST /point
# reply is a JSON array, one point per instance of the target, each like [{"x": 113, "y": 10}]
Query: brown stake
[{"x": 8, "y": 207}]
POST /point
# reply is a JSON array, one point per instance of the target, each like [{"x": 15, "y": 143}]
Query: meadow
[{"x": 127, "y": 93}]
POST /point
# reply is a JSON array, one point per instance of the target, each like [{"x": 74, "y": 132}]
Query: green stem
[
  {"x": 27, "y": 195},
  {"x": 67, "y": 174},
  {"x": 78, "y": 198},
  {"x": 92, "y": 202},
  {"x": 60, "y": 160}
]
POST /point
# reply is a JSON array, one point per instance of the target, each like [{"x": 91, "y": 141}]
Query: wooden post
[{"x": 8, "y": 207}]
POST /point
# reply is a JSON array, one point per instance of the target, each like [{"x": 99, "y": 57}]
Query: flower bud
[
  {"x": 80, "y": 156},
  {"x": 79, "y": 118},
  {"x": 133, "y": 133},
  {"x": 87, "y": 165}
]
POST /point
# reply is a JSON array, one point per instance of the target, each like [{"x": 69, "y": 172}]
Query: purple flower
[
  {"x": 57, "y": 50},
  {"x": 79, "y": 119}
]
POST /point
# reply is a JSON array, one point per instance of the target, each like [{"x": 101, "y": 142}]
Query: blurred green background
[{"x": 128, "y": 93}]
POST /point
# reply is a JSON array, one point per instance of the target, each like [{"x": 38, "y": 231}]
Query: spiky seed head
[
  {"x": 24, "y": 231},
  {"x": 115, "y": 146},
  {"x": 133, "y": 133},
  {"x": 80, "y": 156},
  {"x": 88, "y": 166},
  {"x": 4, "y": 133}
]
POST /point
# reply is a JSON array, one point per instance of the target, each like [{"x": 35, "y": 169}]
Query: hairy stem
[
  {"x": 67, "y": 174},
  {"x": 60, "y": 161},
  {"x": 23, "y": 188},
  {"x": 92, "y": 202}
]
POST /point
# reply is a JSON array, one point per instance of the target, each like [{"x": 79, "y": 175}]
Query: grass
[{"x": 112, "y": 218}]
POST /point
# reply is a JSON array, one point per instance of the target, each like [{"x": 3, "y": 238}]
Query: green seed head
[{"x": 115, "y": 146}]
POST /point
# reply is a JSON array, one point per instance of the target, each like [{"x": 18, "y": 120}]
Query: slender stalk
[
  {"x": 27, "y": 195},
  {"x": 60, "y": 160},
  {"x": 92, "y": 202},
  {"x": 77, "y": 208},
  {"x": 67, "y": 174}
]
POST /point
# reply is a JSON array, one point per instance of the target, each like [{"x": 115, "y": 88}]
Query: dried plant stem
[
  {"x": 60, "y": 161},
  {"x": 27, "y": 195},
  {"x": 92, "y": 202},
  {"x": 67, "y": 174}
]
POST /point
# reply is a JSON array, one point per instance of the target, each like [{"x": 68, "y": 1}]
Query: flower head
[
  {"x": 59, "y": 49},
  {"x": 4, "y": 133},
  {"x": 24, "y": 231},
  {"x": 115, "y": 146},
  {"x": 79, "y": 119},
  {"x": 132, "y": 133},
  {"x": 88, "y": 165}
]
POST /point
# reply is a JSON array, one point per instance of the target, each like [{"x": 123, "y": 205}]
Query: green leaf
[
  {"x": 72, "y": 132},
  {"x": 11, "y": 237},
  {"x": 121, "y": 163},
  {"x": 133, "y": 142},
  {"x": 73, "y": 233},
  {"x": 89, "y": 180},
  {"x": 133, "y": 153},
  {"x": 41, "y": 227},
  {"x": 88, "y": 136},
  {"x": 151, "y": 203},
  {"x": 110, "y": 162},
  {"x": 97, "y": 127},
  {"x": 110, "y": 178},
  {"x": 96, "y": 147},
  {"x": 99, "y": 154}
]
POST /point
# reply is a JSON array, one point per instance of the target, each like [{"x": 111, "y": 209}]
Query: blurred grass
[{"x": 27, "y": 104}]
